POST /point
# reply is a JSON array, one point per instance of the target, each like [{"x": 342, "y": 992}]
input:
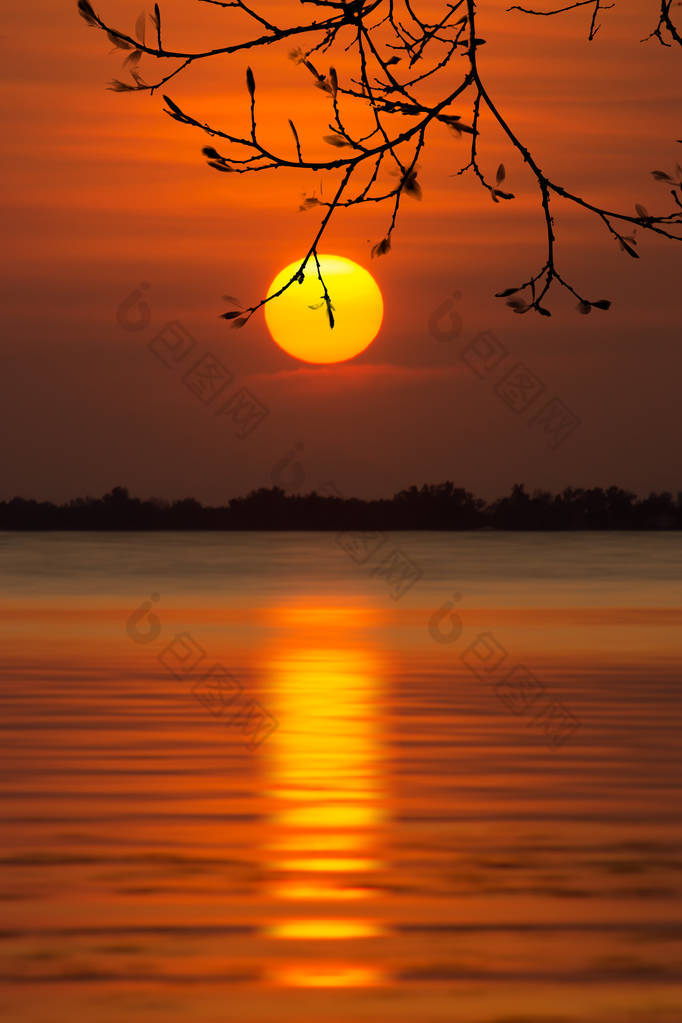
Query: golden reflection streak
[{"x": 324, "y": 763}]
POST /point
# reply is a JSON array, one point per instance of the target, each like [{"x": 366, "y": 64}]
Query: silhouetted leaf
[
  {"x": 319, "y": 79},
  {"x": 543, "y": 312},
  {"x": 117, "y": 86},
  {"x": 140, "y": 26},
  {"x": 132, "y": 58},
  {"x": 392, "y": 60},
  {"x": 336, "y": 140},
  {"x": 86, "y": 12},
  {"x": 173, "y": 105},
  {"x": 603, "y": 303},
  {"x": 231, "y": 315},
  {"x": 411, "y": 185},
  {"x": 662, "y": 176},
  {"x": 334, "y": 82},
  {"x": 501, "y": 174},
  {"x": 584, "y": 307},
  {"x": 507, "y": 292},
  {"x": 119, "y": 43},
  {"x": 641, "y": 211},
  {"x": 250, "y": 82},
  {"x": 211, "y": 153},
  {"x": 317, "y": 305},
  {"x": 381, "y": 248},
  {"x": 175, "y": 112},
  {"x": 239, "y": 322},
  {"x": 295, "y": 134},
  {"x": 628, "y": 248},
  {"x": 231, "y": 300},
  {"x": 220, "y": 167}
]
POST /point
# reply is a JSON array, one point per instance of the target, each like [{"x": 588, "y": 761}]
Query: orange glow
[
  {"x": 325, "y": 929},
  {"x": 325, "y": 780},
  {"x": 335, "y": 865},
  {"x": 302, "y": 891},
  {"x": 329, "y": 976}
]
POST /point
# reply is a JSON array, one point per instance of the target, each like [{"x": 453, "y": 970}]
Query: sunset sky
[{"x": 103, "y": 191}]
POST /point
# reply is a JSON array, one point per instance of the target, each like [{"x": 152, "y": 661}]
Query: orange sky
[{"x": 103, "y": 191}]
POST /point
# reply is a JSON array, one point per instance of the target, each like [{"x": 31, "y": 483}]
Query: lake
[{"x": 304, "y": 777}]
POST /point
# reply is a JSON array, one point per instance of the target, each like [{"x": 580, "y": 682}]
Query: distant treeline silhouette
[{"x": 441, "y": 506}]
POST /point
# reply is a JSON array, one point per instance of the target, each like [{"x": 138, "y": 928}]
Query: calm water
[{"x": 294, "y": 777}]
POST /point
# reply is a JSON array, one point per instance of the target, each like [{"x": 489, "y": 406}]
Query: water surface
[{"x": 293, "y": 776}]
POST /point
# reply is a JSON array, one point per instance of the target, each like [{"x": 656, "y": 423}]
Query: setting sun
[{"x": 298, "y": 320}]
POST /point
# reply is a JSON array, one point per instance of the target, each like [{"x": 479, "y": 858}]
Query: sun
[{"x": 298, "y": 319}]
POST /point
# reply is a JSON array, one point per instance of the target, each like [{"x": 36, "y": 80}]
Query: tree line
[{"x": 441, "y": 506}]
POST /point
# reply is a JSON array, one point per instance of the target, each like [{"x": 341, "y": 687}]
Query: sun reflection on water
[{"x": 326, "y": 781}]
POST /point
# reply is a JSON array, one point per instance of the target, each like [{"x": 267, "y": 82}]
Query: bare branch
[
  {"x": 396, "y": 53},
  {"x": 596, "y": 5}
]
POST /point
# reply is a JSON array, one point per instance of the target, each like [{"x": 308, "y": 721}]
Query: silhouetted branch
[
  {"x": 396, "y": 51},
  {"x": 666, "y": 26},
  {"x": 596, "y": 5}
]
